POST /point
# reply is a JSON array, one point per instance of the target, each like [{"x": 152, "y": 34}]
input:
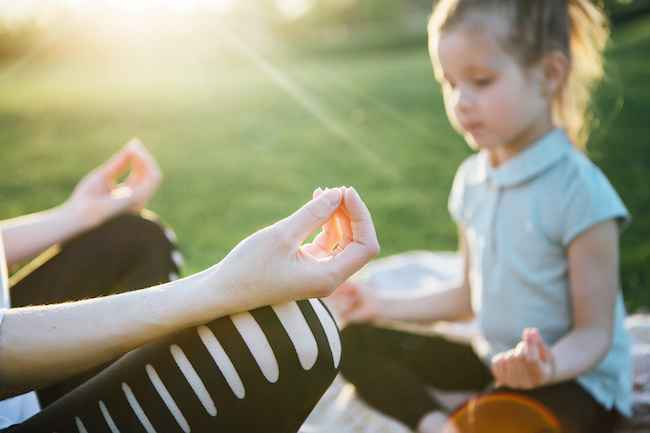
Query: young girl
[{"x": 538, "y": 224}]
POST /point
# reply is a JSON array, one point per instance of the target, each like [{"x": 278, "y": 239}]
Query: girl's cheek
[{"x": 451, "y": 115}]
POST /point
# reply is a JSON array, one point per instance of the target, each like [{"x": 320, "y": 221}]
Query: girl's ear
[{"x": 554, "y": 72}]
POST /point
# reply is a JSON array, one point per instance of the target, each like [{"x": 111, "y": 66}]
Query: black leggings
[
  {"x": 257, "y": 371},
  {"x": 394, "y": 371}
]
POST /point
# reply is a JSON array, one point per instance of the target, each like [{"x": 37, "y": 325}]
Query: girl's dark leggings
[
  {"x": 394, "y": 371},
  {"x": 257, "y": 371}
]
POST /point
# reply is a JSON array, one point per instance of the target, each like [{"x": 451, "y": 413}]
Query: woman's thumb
[{"x": 315, "y": 213}]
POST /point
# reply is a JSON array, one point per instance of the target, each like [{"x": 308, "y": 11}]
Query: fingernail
[
  {"x": 134, "y": 143},
  {"x": 333, "y": 196}
]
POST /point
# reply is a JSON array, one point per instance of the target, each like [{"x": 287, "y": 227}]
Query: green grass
[
  {"x": 621, "y": 146},
  {"x": 244, "y": 140}
]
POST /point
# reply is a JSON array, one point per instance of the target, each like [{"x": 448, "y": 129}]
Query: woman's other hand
[{"x": 99, "y": 197}]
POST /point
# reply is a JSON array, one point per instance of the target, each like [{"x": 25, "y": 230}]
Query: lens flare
[{"x": 503, "y": 413}]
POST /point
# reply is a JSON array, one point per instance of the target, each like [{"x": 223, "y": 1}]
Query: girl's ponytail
[{"x": 588, "y": 36}]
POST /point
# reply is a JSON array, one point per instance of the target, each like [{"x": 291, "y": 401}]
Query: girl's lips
[{"x": 472, "y": 128}]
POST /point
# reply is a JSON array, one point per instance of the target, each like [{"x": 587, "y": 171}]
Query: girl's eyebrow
[{"x": 470, "y": 70}]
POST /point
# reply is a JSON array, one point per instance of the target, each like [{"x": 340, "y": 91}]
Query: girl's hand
[
  {"x": 272, "y": 266},
  {"x": 529, "y": 365},
  {"x": 353, "y": 301},
  {"x": 98, "y": 196}
]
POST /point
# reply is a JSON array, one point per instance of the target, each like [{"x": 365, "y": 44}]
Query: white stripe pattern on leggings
[
  {"x": 258, "y": 345},
  {"x": 331, "y": 330},
  {"x": 294, "y": 323},
  {"x": 193, "y": 379},
  {"x": 299, "y": 332},
  {"x": 108, "y": 418},
  {"x": 167, "y": 398},
  {"x": 222, "y": 360},
  {"x": 137, "y": 409},
  {"x": 80, "y": 426}
]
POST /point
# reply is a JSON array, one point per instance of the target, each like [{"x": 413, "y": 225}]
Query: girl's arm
[
  {"x": 43, "y": 344},
  {"x": 95, "y": 199},
  {"x": 450, "y": 301},
  {"x": 593, "y": 275}
]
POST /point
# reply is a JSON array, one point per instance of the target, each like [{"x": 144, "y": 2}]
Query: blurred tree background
[{"x": 378, "y": 45}]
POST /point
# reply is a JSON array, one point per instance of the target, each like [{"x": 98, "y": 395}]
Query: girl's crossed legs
[{"x": 394, "y": 371}]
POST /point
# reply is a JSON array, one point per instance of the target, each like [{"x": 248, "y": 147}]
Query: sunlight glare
[
  {"x": 182, "y": 7},
  {"x": 218, "y": 6},
  {"x": 131, "y": 7},
  {"x": 12, "y": 12},
  {"x": 137, "y": 7},
  {"x": 293, "y": 9}
]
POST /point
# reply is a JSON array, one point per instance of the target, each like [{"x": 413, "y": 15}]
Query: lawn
[{"x": 245, "y": 130}]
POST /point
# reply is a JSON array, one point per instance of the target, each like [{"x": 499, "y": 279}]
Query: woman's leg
[
  {"x": 261, "y": 371},
  {"x": 127, "y": 253},
  {"x": 393, "y": 370}
]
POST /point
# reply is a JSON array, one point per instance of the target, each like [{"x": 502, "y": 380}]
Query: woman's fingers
[
  {"x": 116, "y": 165},
  {"x": 143, "y": 164},
  {"x": 311, "y": 216},
  {"x": 328, "y": 239},
  {"x": 359, "y": 242}
]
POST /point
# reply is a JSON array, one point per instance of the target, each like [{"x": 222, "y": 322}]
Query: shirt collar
[{"x": 527, "y": 165}]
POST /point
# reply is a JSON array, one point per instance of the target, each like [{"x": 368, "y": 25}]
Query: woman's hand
[
  {"x": 272, "y": 266},
  {"x": 529, "y": 365},
  {"x": 98, "y": 196}
]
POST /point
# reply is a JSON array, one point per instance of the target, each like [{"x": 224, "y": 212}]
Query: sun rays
[{"x": 119, "y": 26}]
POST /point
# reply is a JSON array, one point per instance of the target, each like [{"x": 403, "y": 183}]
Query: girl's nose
[{"x": 462, "y": 99}]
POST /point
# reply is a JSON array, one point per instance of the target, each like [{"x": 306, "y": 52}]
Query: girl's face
[{"x": 490, "y": 99}]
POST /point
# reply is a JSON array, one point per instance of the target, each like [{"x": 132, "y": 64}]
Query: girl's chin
[{"x": 479, "y": 143}]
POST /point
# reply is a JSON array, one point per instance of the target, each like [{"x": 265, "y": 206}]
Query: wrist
[
  {"x": 72, "y": 219},
  {"x": 81, "y": 216},
  {"x": 216, "y": 295}
]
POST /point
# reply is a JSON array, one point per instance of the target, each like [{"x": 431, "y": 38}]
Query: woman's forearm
[
  {"x": 27, "y": 236},
  {"x": 40, "y": 345}
]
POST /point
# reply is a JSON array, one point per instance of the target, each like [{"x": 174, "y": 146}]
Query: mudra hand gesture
[
  {"x": 99, "y": 197},
  {"x": 273, "y": 266}
]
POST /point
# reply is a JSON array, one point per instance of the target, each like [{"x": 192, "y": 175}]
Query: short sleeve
[
  {"x": 590, "y": 199},
  {"x": 456, "y": 203}
]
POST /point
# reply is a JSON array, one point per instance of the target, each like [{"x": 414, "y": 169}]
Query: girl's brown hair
[{"x": 576, "y": 28}]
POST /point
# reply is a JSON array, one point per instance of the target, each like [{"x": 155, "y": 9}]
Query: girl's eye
[{"x": 481, "y": 82}]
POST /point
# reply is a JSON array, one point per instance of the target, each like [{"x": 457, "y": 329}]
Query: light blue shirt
[{"x": 519, "y": 220}]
